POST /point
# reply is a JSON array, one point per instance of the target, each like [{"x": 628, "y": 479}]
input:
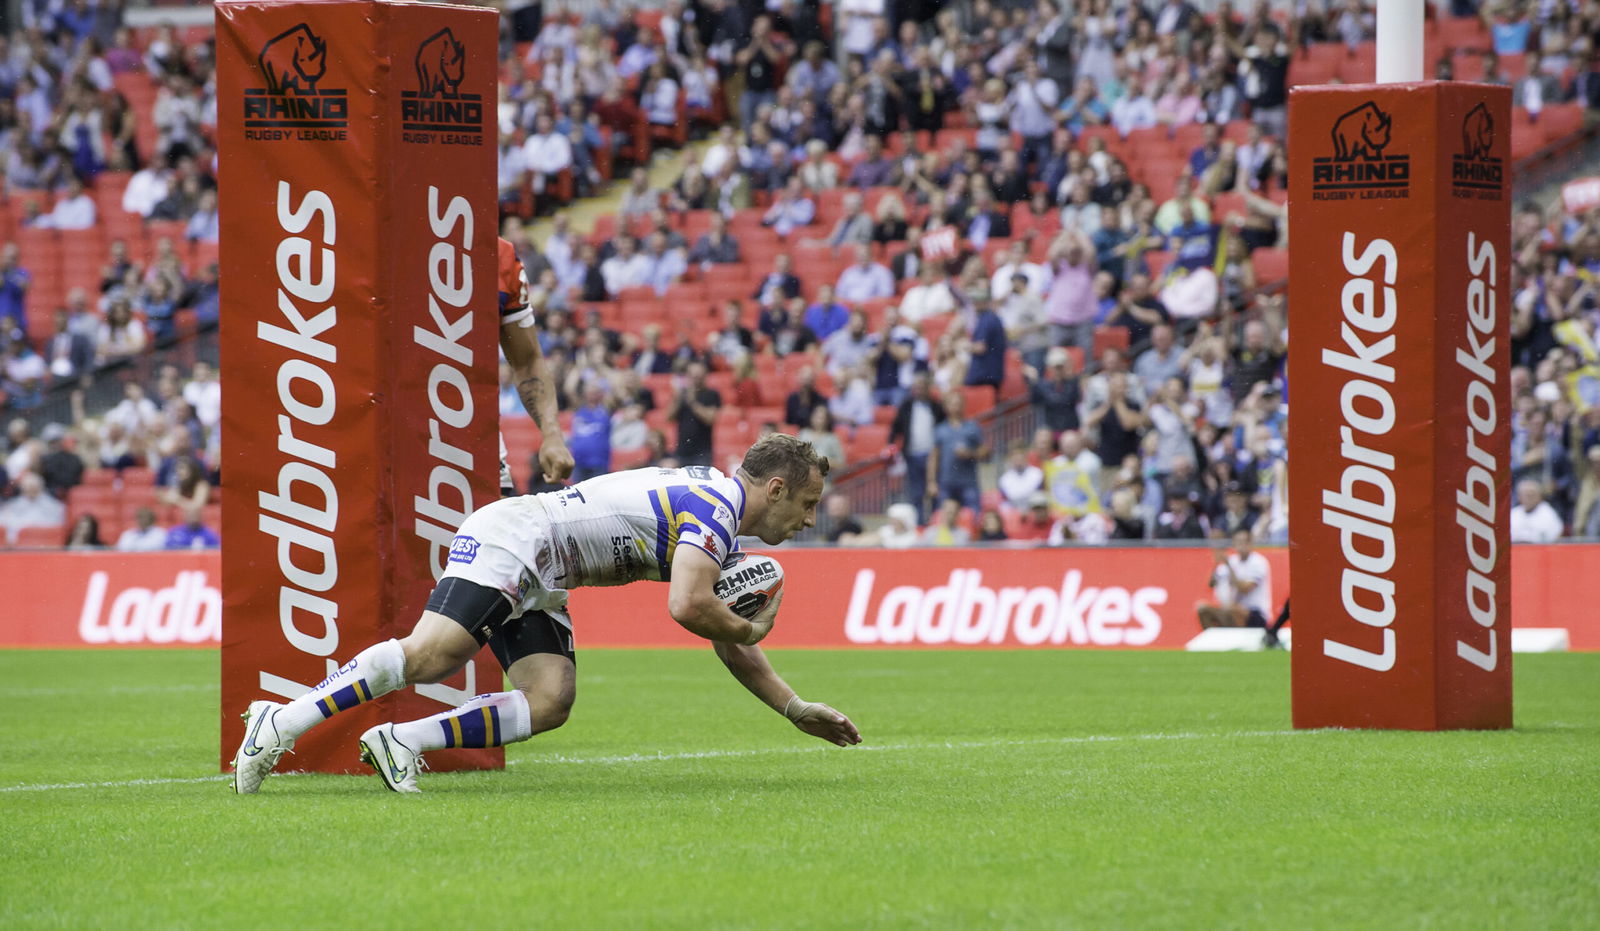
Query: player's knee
[
  {"x": 548, "y": 710},
  {"x": 427, "y": 661}
]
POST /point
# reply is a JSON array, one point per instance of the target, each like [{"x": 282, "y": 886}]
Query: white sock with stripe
[
  {"x": 491, "y": 720},
  {"x": 377, "y": 670}
]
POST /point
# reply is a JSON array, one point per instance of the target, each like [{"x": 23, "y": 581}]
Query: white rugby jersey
[{"x": 618, "y": 528}]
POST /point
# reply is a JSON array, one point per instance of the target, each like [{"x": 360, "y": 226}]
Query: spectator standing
[
  {"x": 1070, "y": 305},
  {"x": 897, "y": 352},
  {"x": 759, "y": 62},
  {"x": 986, "y": 345},
  {"x": 1119, "y": 419},
  {"x": 912, "y": 432},
  {"x": 204, "y": 394},
  {"x": 14, "y": 283},
  {"x": 694, "y": 407},
  {"x": 1055, "y": 393},
  {"x": 1033, "y": 100},
  {"x": 958, "y": 449},
  {"x": 1264, "y": 75}
]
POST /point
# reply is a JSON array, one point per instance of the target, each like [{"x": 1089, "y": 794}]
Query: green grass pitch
[{"x": 995, "y": 789}]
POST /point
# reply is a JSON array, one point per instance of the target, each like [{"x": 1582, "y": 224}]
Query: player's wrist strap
[{"x": 795, "y": 707}]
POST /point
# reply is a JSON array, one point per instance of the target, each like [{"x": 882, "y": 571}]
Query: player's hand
[
  {"x": 555, "y": 461},
  {"x": 763, "y": 621},
  {"x": 819, "y": 720}
]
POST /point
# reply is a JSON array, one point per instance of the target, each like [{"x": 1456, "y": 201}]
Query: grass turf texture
[{"x": 982, "y": 798}]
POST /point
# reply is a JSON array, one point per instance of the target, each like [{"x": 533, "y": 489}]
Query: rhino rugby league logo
[
  {"x": 1475, "y": 173},
  {"x": 1361, "y": 165},
  {"x": 437, "y": 111},
  {"x": 292, "y": 103}
]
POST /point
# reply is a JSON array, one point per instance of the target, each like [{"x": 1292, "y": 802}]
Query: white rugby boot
[
  {"x": 395, "y": 763},
  {"x": 261, "y": 748}
]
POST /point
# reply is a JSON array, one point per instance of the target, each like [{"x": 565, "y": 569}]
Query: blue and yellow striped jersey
[{"x": 629, "y": 526}]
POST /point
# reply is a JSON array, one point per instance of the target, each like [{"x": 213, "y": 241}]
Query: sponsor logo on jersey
[
  {"x": 292, "y": 104},
  {"x": 463, "y": 549},
  {"x": 1360, "y": 166},
  {"x": 437, "y": 111},
  {"x": 1474, "y": 173}
]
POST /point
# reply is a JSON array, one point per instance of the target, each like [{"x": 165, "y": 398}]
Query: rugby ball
[{"x": 748, "y": 581}]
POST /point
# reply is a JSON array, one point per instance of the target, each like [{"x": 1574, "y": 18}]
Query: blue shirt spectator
[
  {"x": 1194, "y": 242},
  {"x": 988, "y": 365},
  {"x": 192, "y": 535},
  {"x": 590, "y": 438},
  {"x": 958, "y": 447},
  {"x": 14, "y": 282}
]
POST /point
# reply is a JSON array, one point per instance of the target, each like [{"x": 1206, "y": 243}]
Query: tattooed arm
[{"x": 536, "y": 387}]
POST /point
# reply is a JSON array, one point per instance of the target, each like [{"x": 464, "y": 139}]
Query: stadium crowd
[{"x": 898, "y": 215}]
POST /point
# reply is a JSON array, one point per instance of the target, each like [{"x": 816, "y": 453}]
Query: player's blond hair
[{"x": 783, "y": 455}]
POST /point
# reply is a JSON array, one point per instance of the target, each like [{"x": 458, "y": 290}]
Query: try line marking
[{"x": 560, "y": 760}]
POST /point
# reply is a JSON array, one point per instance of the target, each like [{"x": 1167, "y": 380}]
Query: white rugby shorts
[{"x": 480, "y": 555}]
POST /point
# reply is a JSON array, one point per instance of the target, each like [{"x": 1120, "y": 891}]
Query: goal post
[
  {"x": 358, "y": 214},
  {"x": 1399, "y": 425}
]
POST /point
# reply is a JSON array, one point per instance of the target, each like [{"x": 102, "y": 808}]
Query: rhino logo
[
  {"x": 1361, "y": 133},
  {"x": 441, "y": 61},
  {"x": 1477, "y": 133},
  {"x": 294, "y": 61}
]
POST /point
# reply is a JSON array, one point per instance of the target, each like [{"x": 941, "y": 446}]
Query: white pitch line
[
  {"x": 557, "y": 760},
  {"x": 105, "y": 690}
]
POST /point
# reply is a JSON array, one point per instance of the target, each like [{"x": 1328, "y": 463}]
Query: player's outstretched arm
[
  {"x": 750, "y": 666},
  {"x": 536, "y": 386},
  {"x": 693, "y": 603}
]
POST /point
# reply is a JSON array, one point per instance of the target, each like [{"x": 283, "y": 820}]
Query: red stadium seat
[
  {"x": 40, "y": 538},
  {"x": 1271, "y": 265},
  {"x": 1108, "y": 337}
]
